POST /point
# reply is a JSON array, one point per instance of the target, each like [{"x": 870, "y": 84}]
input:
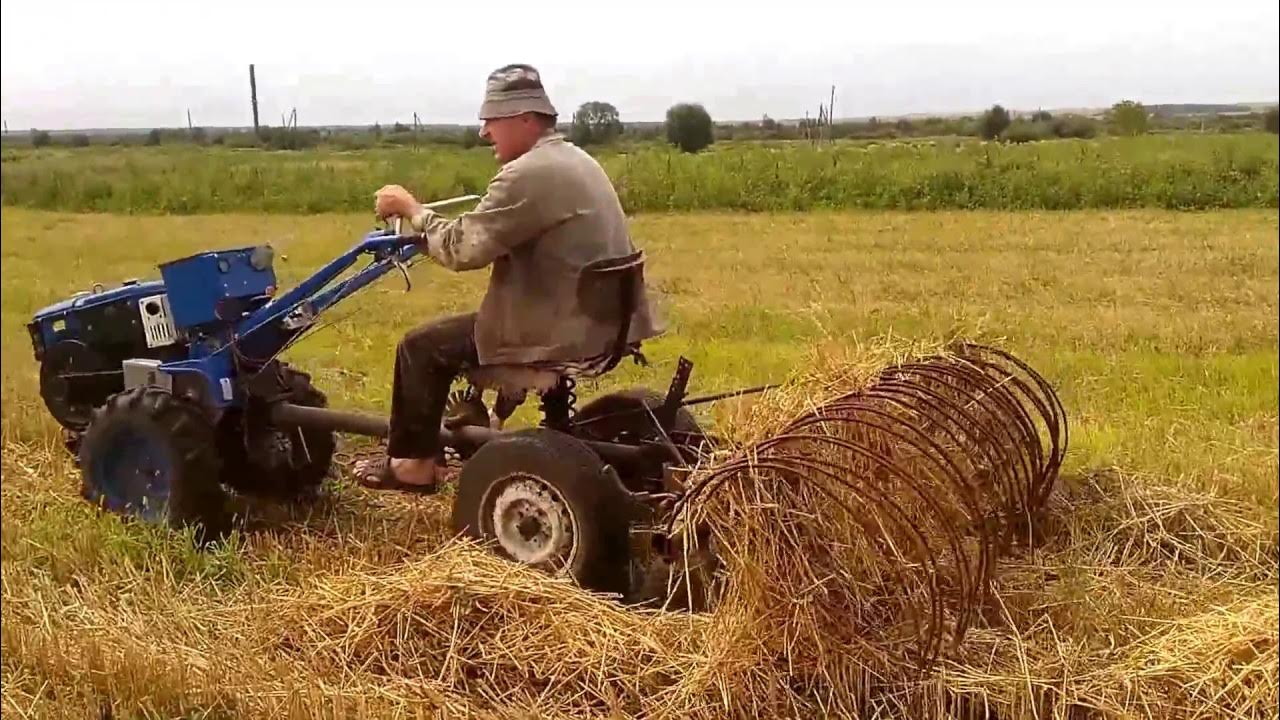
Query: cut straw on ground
[{"x": 1138, "y": 600}]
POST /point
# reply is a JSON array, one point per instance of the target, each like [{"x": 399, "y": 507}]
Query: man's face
[{"x": 511, "y": 136}]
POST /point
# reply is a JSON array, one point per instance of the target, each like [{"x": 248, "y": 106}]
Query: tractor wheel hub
[{"x": 532, "y": 523}]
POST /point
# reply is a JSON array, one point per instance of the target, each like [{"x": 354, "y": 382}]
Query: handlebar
[
  {"x": 438, "y": 204},
  {"x": 315, "y": 295},
  {"x": 451, "y": 201}
]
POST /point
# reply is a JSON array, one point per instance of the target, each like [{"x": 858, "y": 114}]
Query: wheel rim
[
  {"x": 277, "y": 449},
  {"x": 531, "y": 522},
  {"x": 134, "y": 474}
]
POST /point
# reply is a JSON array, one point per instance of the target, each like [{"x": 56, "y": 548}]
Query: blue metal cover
[
  {"x": 199, "y": 283},
  {"x": 93, "y": 299}
]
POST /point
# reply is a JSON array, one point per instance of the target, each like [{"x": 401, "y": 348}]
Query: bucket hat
[{"x": 515, "y": 89}]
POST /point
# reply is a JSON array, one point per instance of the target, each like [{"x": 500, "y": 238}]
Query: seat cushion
[{"x": 517, "y": 379}]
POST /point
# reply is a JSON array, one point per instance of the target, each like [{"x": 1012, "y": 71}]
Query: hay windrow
[
  {"x": 1125, "y": 519},
  {"x": 1135, "y": 600}
]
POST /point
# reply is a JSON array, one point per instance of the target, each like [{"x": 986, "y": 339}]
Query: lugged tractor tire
[
  {"x": 561, "y": 484},
  {"x": 622, "y": 420},
  {"x": 71, "y": 440},
  {"x": 152, "y": 456},
  {"x": 247, "y": 472}
]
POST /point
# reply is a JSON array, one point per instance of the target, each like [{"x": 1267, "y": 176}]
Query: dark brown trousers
[{"x": 427, "y": 361}]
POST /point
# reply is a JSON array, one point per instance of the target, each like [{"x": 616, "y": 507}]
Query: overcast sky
[{"x": 74, "y": 64}]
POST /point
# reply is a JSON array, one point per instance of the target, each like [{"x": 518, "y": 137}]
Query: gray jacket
[{"x": 544, "y": 216}]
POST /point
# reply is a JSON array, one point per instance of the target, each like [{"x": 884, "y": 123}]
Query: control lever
[
  {"x": 398, "y": 223},
  {"x": 404, "y": 272}
]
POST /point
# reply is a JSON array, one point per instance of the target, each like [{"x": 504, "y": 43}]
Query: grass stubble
[{"x": 1147, "y": 595}]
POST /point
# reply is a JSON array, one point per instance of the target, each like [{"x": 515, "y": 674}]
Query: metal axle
[{"x": 469, "y": 437}]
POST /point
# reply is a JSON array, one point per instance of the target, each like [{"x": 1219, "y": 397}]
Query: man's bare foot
[
  {"x": 415, "y": 471},
  {"x": 420, "y": 475}
]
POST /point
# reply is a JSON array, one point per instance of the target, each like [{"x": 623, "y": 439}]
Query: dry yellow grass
[
  {"x": 1136, "y": 629},
  {"x": 1151, "y": 594}
]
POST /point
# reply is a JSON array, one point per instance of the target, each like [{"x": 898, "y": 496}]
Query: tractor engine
[{"x": 89, "y": 345}]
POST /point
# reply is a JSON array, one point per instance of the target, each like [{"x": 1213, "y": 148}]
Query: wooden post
[
  {"x": 253, "y": 98},
  {"x": 831, "y": 116}
]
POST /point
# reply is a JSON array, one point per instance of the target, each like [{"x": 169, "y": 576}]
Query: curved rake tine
[{"x": 936, "y": 464}]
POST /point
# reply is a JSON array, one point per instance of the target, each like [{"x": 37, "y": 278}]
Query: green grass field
[
  {"x": 1179, "y": 171},
  {"x": 1158, "y": 328}
]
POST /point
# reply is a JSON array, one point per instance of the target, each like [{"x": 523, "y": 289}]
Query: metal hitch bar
[{"x": 287, "y": 415}]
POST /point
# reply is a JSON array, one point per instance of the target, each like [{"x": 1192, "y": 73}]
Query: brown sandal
[{"x": 377, "y": 475}]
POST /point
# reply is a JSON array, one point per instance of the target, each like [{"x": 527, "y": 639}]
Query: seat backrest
[{"x": 609, "y": 289}]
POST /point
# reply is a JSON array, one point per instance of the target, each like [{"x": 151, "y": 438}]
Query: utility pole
[
  {"x": 253, "y": 98},
  {"x": 189, "y": 125},
  {"x": 831, "y": 116}
]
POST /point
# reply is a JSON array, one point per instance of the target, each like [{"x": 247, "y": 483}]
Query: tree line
[{"x": 689, "y": 127}]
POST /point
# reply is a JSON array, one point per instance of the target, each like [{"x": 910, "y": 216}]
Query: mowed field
[{"x": 1155, "y": 595}]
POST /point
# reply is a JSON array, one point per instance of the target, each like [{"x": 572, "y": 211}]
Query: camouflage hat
[{"x": 512, "y": 90}]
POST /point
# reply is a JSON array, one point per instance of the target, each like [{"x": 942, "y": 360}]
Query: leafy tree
[
  {"x": 78, "y": 140},
  {"x": 289, "y": 138},
  {"x": 595, "y": 123},
  {"x": 470, "y": 138},
  {"x": 153, "y": 137},
  {"x": 1023, "y": 131},
  {"x": 1129, "y": 117},
  {"x": 40, "y": 138},
  {"x": 689, "y": 127},
  {"x": 993, "y": 122},
  {"x": 1074, "y": 127},
  {"x": 1271, "y": 120},
  {"x": 1041, "y": 116}
]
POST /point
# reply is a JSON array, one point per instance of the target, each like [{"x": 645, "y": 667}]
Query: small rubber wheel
[
  {"x": 278, "y": 463},
  {"x": 544, "y": 499},
  {"x": 152, "y": 456}
]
